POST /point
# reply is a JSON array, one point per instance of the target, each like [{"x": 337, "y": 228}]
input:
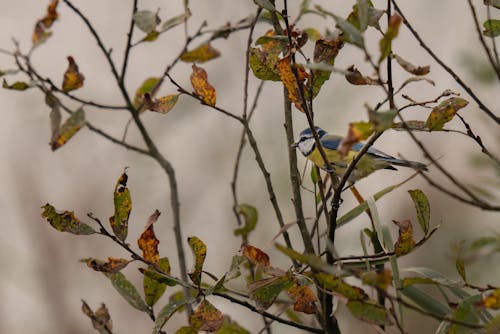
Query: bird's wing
[{"x": 332, "y": 142}]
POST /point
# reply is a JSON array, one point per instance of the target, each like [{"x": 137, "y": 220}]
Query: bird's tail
[{"x": 407, "y": 163}]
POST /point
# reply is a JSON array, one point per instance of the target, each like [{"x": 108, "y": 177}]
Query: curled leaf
[
  {"x": 304, "y": 299},
  {"x": 357, "y": 131},
  {"x": 123, "y": 206},
  {"x": 289, "y": 80},
  {"x": 41, "y": 32},
  {"x": 202, "y": 88},
  {"x": 65, "y": 221},
  {"x": 149, "y": 86},
  {"x": 385, "y": 43},
  {"x": 72, "y": 125},
  {"x": 199, "y": 250},
  {"x": 101, "y": 320},
  {"x": 72, "y": 78},
  {"x": 148, "y": 243},
  {"x": 405, "y": 242},
  {"x": 251, "y": 215},
  {"x": 410, "y": 68},
  {"x": 201, "y": 54},
  {"x": 162, "y": 105},
  {"x": 355, "y": 77},
  {"x": 255, "y": 255},
  {"x": 206, "y": 317},
  {"x": 113, "y": 265}
]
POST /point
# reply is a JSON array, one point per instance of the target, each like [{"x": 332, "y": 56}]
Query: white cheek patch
[{"x": 306, "y": 146}]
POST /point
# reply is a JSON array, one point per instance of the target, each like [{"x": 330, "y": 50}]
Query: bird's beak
[{"x": 294, "y": 145}]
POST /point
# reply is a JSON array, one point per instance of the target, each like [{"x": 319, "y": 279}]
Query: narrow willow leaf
[
  {"x": 65, "y": 221},
  {"x": 425, "y": 301},
  {"x": 123, "y": 205},
  {"x": 423, "y": 208},
  {"x": 265, "y": 291},
  {"x": 336, "y": 284},
  {"x": 251, "y": 216},
  {"x": 266, "y": 4},
  {"x": 128, "y": 291},
  {"x": 72, "y": 125},
  {"x": 466, "y": 312},
  {"x": 199, "y": 250},
  {"x": 371, "y": 313},
  {"x": 167, "y": 311},
  {"x": 154, "y": 289}
]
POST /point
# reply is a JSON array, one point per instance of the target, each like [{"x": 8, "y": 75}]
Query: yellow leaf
[
  {"x": 405, "y": 241},
  {"x": 72, "y": 78},
  {"x": 72, "y": 125},
  {"x": 162, "y": 105},
  {"x": 304, "y": 299},
  {"x": 290, "y": 81},
  {"x": 41, "y": 32},
  {"x": 202, "y": 88},
  {"x": 201, "y": 54},
  {"x": 148, "y": 242},
  {"x": 206, "y": 317},
  {"x": 444, "y": 112},
  {"x": 385, "y": 43}
]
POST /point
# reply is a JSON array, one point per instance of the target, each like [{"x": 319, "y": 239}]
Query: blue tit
[{"x": 370, "y": 162}]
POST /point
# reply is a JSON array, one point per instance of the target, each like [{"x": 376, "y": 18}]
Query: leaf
[
  {"x": 148, "y": 86},
  {"x": 148, "y": 242},
  {"x": 175, "y": 21},
  {"x": 459, "y": 262},
  {"x": 255, "y": 255},
  {"x": 128, "y": 291},
  {"x": 199, "y": 250},
  {"x": 425, "y": 301},
  {"x": 304, "y": 299},
  {"x": 415, "y": 79},
  {"x": 263, "y": 64},
  {"x": 186, "y": 330},
  {"x": 41, "y": 32},
  {"x": 385, "y": 43},
  {"x": 336, "y": 284},
  {"x": 73, "y": 79},
  {"x": 167, "y": 311},
  {"x": 380, "y": 280},
  {"x": 18, "y": 85},
  {"x": 383, "y": 120},
  {"x": 201, "y": 54},
  {"x": 444, "y": 112},
  {"x": 160, "y": 277},
  {"x": 410, "y": 68},
  {"x": 423, "y": 208},
  {"x": 202, "y": 88},
  {"x": 251, "y": 216},
  {"x": 491, "y": 28},
  {"x": 351, "y": 33},
  {"x": 371, "y": 313},
  {"x": 492, "y": 300},
  {"x": 231, "y": 327},
  {"x": 412, "y": 125},
  {"x": 65, "y": 221},
  {"x": 146, "y": 20},
  {"x": 407, "y": 281},
  {"x": 154, "y": 289},
  {"x": 466, "y": 312},
  {"x": 357, "y": 131},
  {"x": 113, "y": 265},
  {"x": 266, "y": 4},
  {"x": 123, "y": 206},
  {"x": 311, "y": 260},
  {"x": 372, "y": 15},
  {"x": 325, "y": 51},
  {"x": 494, "y": 3},
  {"x": 206, "y": 317},
  {"x": 405, "y": 242},
  {"x": 101, "y": 320},
  {"x": 72, "y": 125},
  {"x": 354, "y": 77},
  {"x": 265, "y": 291},
  {"x": 290, "y": 82}
]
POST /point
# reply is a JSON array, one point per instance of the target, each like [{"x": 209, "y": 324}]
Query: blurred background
[{"x": 42, "y": 282}]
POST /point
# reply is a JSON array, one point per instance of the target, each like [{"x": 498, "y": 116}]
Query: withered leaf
[
  {"x": 148, "y": 243},
  {"x": 304, "y": 299},
  {"x": 41, "y": 32},
  {"x": 445, "y": 112},
  {"x": 385, "y": 43},
  {"x": 202, "y": 88},
  {"x": 357, "y": 131},
  {"x": 356, "y": 78},
  {"x": 492, "y": 300},
  {"x": 289, "y": 80},
  {"x": 72, "y": 125},
  {"x": 201, "y": 54},
  {"x": 265, "y": 291},
  {"x": 113, "y": 265},
  {"x": 123, "y": 205},
  {"x": 206, "y": 317},
  {"x": 149, "y": 86},
  {"x": 263, "y": 64},
  {"x": 325, "y": 50},
  {"x": 255, "y": 255},
  {"x": 101, "y": 320},
  {"x": 161, "y": 105},
  {"x": 65, "y": 221},
  {"x": 73, "y": 79},
  {"x": 410, "y": 68},
  {"x": 199, "y": 250},
  {"x": 405, "y": 242}
]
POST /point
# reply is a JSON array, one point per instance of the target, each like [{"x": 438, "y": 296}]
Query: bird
[{"x": 372, "y": 161}]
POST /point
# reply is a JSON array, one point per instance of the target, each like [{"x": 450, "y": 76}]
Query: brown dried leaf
[
  {"x": 202, "y": 88},
  {"x": 148, "y": 242},
  {"x": 113, "y": 265},
  {"x": 206, "y": 317},
  {"x": 405, "y": 242},
  {"x": 325, "y": 50},
  {"x": 356, "y": 78},
  {"x": 409, "y": 67},
  {"x": 304, "y": 299},
  {"x": 162, "y": 105},
  {"x": 255, "y": 256},
  {"x": 72, "y": 78},
  {"x": 101, "y": 320},
  {"x": 357, "y": 131},
  {"x": 41, "y": 32}
]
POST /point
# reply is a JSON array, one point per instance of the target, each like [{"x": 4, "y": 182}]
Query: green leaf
[
  {"x": 466, "y": 312},
  {"x": 265, "y": 291},
  {"x": 251, "y": 216},
  {"x": 351, "y": 33},
  {"x": 231, "y": 327},
  {"x": 425, "y": 301},
  {"x": 314, "y": 176},
  {"x": 175, "y": 21},
  {"x": 371, "y": 313},
  {"x": 66, "y": 221},
  {"x": 186, "y": 330},
  {"x": 201, "y": 54},
  {"x": 199, "y": 250},
  {"x": 460, "y": 263},
  {"x": 123, "y": 205},
  {"x": 147, "y": 87},
  {"x": 72, "y": 125},
  {"x": 423, "y": 208},
  {"x": 153, "y": 289},
  {"x": 336, "y": 284},
  {"x": 383, "y": 120},
  {"x": 128, "y": 291},
  {"x": 146, "y": 20},
  {"x": 167, "y": 311},
  {"x": 312, "y": 260},
  {"x": 385, "y": 43},
  {"x": 160, "y": 278},
  {"x": 263, "y": 64},
  {"x": 18, "y": 85},
  {"x": 266, "y": 4},
  {"x": 491, "y": 28},
  {"x": 444, "y": 112}
]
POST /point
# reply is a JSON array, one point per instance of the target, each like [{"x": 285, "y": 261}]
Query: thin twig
[
  {"x": 129, "y": 42},
  {"x": 496, "y": 69},
  {"x": 492, "y": 37},
  {"x": 446, "y": 67}
]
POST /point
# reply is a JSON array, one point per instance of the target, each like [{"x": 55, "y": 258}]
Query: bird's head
[{"x": 306, "y": 142}]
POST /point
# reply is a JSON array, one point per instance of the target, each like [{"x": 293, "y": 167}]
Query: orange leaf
[
  {"x": 72, "y": 78},
  {"x": 405, "y": 241},
  {"x": 255, "y": 255},
  {"x": 51, "y": 15},
  {"x": 202, "y": 88},
  {"x": 290, "y": 81},
  {"x": 492, "y": 301},
  {"x": 162, "y": 105},
  {"x": 112, "y": 266},
  {"x": 304, "y": 299},
  {"x": 148, "y": 242},
  {"x": 41, "y": 32},
  {"x": 206, "y": 317}
]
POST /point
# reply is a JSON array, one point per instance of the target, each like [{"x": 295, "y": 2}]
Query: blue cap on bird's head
[{"x": 306, "y": 142}]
